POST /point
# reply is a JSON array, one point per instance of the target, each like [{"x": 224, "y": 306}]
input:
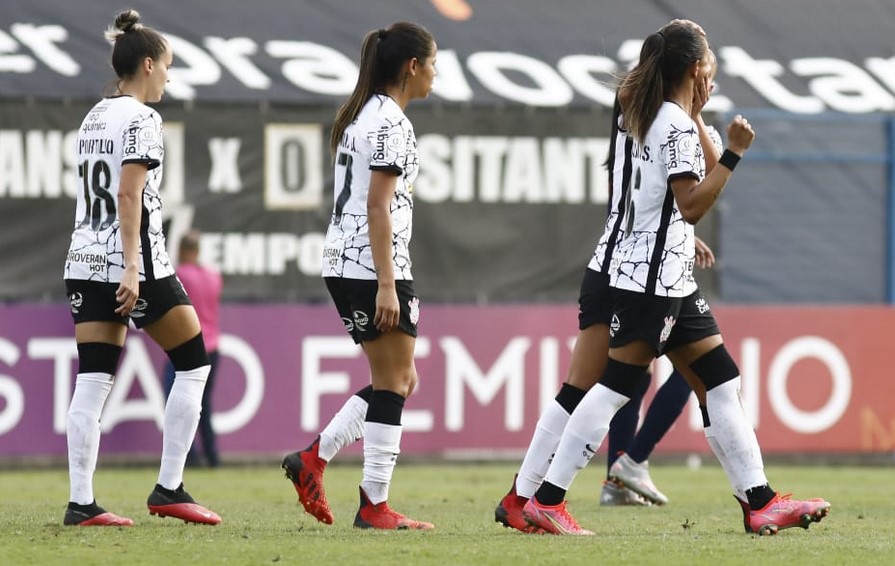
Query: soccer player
[
  {"x": 657, "y": 307},
  {"x": 117, "y": 271},
  {"x": 628, "y": 480},
  {"x": 366, "y": 266}
]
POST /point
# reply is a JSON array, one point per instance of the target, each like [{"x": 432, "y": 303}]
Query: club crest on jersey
[
  {"x": 615, "y": 325},
  {"x": 666, "y": 330},
  {"x": 414, "y": 305},
  {"x": 139, "y": 308},
  {"x": 361, "y": 319},
  {"x": 702, "y": 305},
  {"x": 75, "y": 300}
]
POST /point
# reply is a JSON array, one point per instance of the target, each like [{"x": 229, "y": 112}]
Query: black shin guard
[
  {"x": 385, "y": 407},
  {"x": 624, "y": 379},
  {"x": 98, "y": 357},
  {"x": 189, "y": 355},
  {"x": 715, "y": 367},
  {"x": 569, "y": 396}
]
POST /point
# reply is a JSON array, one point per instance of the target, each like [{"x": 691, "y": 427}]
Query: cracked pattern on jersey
[
  {"x": 117, "y": 130},
  {"x": 393, "y": 146},
  {"x": 631, "y": 262}
]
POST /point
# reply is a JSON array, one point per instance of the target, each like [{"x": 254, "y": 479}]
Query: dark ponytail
[
  {"x": 665, "y": 58},
  {"x": 383, "y": 54}
]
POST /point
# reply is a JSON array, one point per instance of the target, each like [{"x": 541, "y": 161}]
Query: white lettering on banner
[
  {"x": 512, "y": 169},
  {"x": 315, "y": 383},
  {"x": 548, "y": 384},
  {"x": 315, "y": 67},
  {"x": 245, "y": 410},
  {"x": 843, "y": 86},
  {"x": 257, "y": 253},
  {"x": 761, "y": 75},
  {"x": 224, "y": 176},
  {"x": 838, "y": 84},
  {"x": 548, "y": 90},
  {"x": 293, "y": 166},
  {"x": 63, "y": 352},
  {"x": 451, "y": 83},
  {"x": 462, "y": 373},
  {"x": 13, "y": 63},
  {"x": 42, "y": 40},
  {"x": 10, "y": 390},
  {"x": 809, "y": 347},
  {"x": 419, "y": 420},
  {"x": 194, "y": 67},
  {"x": 233, "y": 54},
  {"x": 137, "y": 367}
]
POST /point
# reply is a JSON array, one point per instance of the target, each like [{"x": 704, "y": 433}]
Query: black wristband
[{"x": 729, "y": 159}]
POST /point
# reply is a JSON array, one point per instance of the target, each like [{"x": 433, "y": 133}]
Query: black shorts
[
  {"x": 94, "y": 301},
  {"x": 594, "y": 300},
  {"x": 355, "y": 300},
  {"x": 665, "y": 323}
]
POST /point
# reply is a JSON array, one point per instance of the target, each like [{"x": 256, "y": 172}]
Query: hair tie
[{"x": 382, "y": 34}]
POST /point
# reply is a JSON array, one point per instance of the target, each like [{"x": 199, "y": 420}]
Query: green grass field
[{"x": 264, "y": 524}]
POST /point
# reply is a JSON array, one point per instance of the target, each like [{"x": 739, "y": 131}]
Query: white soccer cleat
[{"x": 635, "y": 476}]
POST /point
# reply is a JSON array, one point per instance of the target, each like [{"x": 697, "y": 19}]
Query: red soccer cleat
[
  {"x": 93, "y": 516},
  {"x": 783, "y": 512},
  {"x": 554, "y": 519},
  {"x": 305, "y": 469},
  {"x": 509, "y": 512},
  {"x": 744, "y": 506},
  {"x": 381, "y": 516},
  {"x": 178, "y": 504}
]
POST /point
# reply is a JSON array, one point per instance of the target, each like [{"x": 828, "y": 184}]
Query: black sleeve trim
[
  {"x": 148, "y": 162},
  {"x": 387, "y": 168},
  {"x": 681, "y": 175}
]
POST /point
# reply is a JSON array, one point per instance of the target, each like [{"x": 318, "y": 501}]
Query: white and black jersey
[
  {"x": 380, "y": 139},
  {"x": 619, "y": 165},
  {"x": 116, "y": 131},
  {"x": 656, "y": 251}
]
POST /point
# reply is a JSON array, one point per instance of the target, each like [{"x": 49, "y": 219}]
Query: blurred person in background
[
  {"x": 366, "y": 267},
  {"x": 204, "y": 286},
  {"x": 657, "y": 306},
  {"x": 117, "y": 271}
]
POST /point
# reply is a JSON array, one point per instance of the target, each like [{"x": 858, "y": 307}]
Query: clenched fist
[{"x": 739, "y": 135}]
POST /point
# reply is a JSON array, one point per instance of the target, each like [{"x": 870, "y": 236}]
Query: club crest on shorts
[
  {"x": 414, "y": 305},
  {"x": 75, "y": 300},
  {"x": 666, "y": 330},
  {"x": 615, "y": 325}
]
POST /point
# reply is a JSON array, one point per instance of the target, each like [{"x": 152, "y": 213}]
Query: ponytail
[
  {"x": 665, "y": 58},
  {"x": 363, "y": 90},
  {"x": 645, "y": 88},
  {"x": 382, "y": 56}
]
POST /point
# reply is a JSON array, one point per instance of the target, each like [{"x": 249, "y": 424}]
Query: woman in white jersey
[
  {"x": 366, "y": 266},
  {"x": 657, "y": 308},
  {"x": 117, "y": 271}
]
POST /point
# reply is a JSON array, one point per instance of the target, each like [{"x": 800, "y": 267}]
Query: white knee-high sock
[
  {"x": 82, "y": 433},
  {"x": 735, "y": 437},
  {"x": 540, "y": 452},
  {"x": 181, "y": 420},
  {"x": 346, "y": 426},
  {"x": 382, "y": 444},
  {"x": 584, "y": 433},
  {"x": 722, "y": 459}
]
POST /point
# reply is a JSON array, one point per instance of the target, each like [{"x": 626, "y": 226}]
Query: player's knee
[
  {"x": 715, "y": 368},
  {"x": 98, "y": 357},
  {"x": 189, "y": 355},
  {"x": 624, "y": 379}
]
